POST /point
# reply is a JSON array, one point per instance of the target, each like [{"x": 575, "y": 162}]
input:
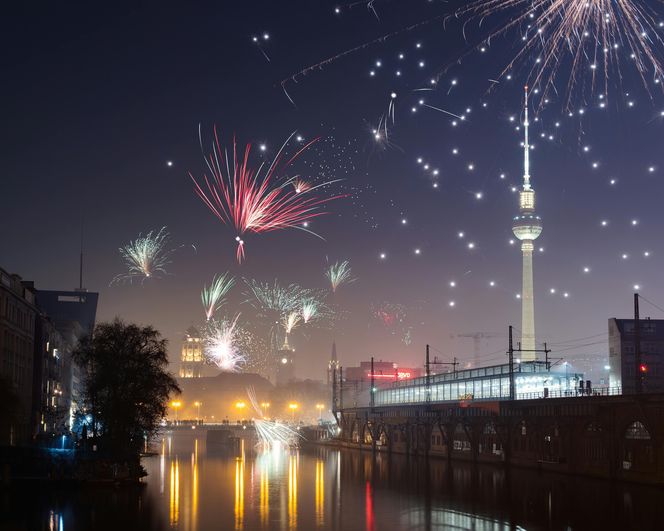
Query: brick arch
[{"x": 354, "y": 433}]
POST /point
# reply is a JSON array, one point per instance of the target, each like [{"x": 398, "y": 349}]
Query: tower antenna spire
[
  {"x": 80, "y": 264},
  {"x": 526, "y": 146}
]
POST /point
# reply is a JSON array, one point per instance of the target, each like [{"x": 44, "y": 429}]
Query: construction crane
[{"x": 477, "y": 338}]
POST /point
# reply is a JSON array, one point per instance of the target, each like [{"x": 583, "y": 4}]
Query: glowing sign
[{"x": 398, "y": 375}]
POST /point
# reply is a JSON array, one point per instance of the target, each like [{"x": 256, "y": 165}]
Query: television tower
[{"x": 527, "y": 226}]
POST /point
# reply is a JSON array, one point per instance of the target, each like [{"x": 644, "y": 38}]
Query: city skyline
[{"x": 120, "y": 125}]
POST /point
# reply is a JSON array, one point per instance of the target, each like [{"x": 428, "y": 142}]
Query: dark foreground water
[{"x": 324, "y": 489}]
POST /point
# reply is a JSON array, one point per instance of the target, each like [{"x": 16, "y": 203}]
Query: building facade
[
  {"x": 192, "y": 358},
  {"x": 622, "y": 348},
  {"x": 18, "y": 316},
  {"x": 50, "y": 411},
  {"x": 73, "y": 315}
]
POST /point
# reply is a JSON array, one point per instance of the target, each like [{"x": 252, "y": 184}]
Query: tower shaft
[{"x": 527, "y": 304}]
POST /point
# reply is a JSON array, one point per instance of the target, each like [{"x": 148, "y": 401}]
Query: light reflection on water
[{"x": 189, "y": 488}]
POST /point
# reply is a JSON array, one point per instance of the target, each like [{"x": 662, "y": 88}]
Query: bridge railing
[{"x": 571, "y": 393}]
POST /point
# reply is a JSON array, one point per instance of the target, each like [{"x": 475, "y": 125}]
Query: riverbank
[{"x": 65, "y": 466}]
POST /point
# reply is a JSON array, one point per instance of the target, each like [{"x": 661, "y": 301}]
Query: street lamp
[
  {"x": 176, "y": 404},
  {"x": 198, "y": 405},
  {"x": 240, "y": 406},
  {"x": 293, "y": 406},
  {"x": 265, "y": 406},
  {"x": 320, "y": 408}
]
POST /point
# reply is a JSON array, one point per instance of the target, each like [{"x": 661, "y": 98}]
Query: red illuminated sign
[{"x": 400, "y": 375}]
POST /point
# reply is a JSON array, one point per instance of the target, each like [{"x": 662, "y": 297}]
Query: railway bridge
[{"x": 613, "y": 437}]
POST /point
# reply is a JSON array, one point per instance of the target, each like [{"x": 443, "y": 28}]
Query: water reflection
[
  {"x": 292, "y": 491},
  {"x": 320, "y": 492},
  {"x": 174, "y": 507},
  {"x": 239, "y": 493},
  {"x": 188, "y": 488}
]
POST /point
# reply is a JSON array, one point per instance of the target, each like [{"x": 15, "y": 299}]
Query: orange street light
[
  {"x": 198, "y": 405},
  {"x": 320, "y": 408},
  {"x": 293, "y": 406},
  {"x": 176, "y": 404}
]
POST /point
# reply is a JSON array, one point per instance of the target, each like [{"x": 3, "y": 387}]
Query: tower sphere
[{"x": 527, "y": 226}]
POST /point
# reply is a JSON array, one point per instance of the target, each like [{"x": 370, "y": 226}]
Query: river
[{"x": 327, "y": 489}]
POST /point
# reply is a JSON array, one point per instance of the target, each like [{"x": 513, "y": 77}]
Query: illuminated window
[
  {"x": 527, "y": 199},
  {"x": 636, "y": 430}
]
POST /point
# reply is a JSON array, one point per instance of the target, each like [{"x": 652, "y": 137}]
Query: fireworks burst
[
  {"x": 146, "y": 256},
  {"x": 213, "y": 296},
  {"x": 584, "y": 36},
  {"x": 254, "y": 200},
  {"x": 273, "y": 298},
  {"x": 291, "y": 321},
  {"x": 592, "y": 33},
  {"x": 389, "y": 314},
  {"x": 338, "y": 274},
  {"x": 310, "y": 309},
  {"x": 222, "y": 344}
]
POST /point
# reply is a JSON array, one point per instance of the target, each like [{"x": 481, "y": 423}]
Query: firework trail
[
  {"x": 338, "y": 274},
  {"x": 590, "y": 33},
  {"x": 221, "y": 344},
  {"x": 272, "y": 433},
  {"x": 256, "y": 201},
  {"x": 587, "y": 34},
  {"x": 251, "y": 393},
  {"x": 145, "y": 257},
  {"x": 257, "y": 41},
  {"x": 213, "y": 296},
  {"x": 382, "y": 131},
  {"x": 300, "y": 185}
]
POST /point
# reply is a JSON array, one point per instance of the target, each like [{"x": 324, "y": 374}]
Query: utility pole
[
  {"x": 638, "y": 373},
  {"x": 428, "y": 376},
  {"x": 334, "y": 391},
  {"x": 547, "y": 363},
  {"x": 341, "y": 388},
  {"x": 510, "y": 352},
  {"x": 373, "y": 384},
  {"x": 452, "y": 363}
]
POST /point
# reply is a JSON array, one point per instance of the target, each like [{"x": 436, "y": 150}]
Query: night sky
[{"x": 96, "y": 101}]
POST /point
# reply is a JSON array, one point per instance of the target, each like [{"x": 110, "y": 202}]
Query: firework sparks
[
  {"x": 592, "y": 33},
  {"x": 588, "y": 36},
  {"x": 389, "y": 314},
  {"x": 251, "y": 393},
  {"x": 338, "y": 274},
  {"x": 213, "y": 296},
  {"x": 275, "y": 434},
  {"x": 300, "y": 185},
  {"x": 255, "y": 201},
  {"x": 275, "y": 298},
  {"x": 311, "y": 309},
  {"x": 146, "y": 256},
  {"x": 291, "y": 321},
  {"x": 221, "y": 345}
]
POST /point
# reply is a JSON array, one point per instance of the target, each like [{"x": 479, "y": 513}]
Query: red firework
[{"x": 255, "y": 200}]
